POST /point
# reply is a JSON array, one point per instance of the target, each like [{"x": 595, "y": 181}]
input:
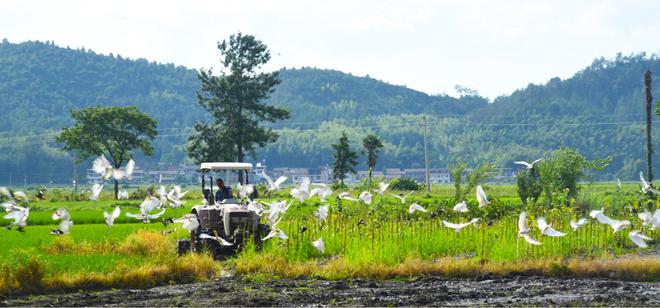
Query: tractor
[{"x": 229, "y": 219}]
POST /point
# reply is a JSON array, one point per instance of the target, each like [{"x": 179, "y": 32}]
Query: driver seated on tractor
[{"x": 223, "y": 192}]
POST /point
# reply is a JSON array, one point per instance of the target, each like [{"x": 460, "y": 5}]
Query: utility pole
[
  {"x": 426, "y": 158},
  {"x": 649, "y": 145}
]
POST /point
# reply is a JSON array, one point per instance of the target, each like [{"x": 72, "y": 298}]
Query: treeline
[{"x": 599, "y": 111}]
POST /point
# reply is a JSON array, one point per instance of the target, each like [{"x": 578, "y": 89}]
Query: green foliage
[
  {"x": 529, "y": 185},
  {"x": 404, "y": 183},
  {"x": 372, "y": 146},
  {"x": 235, "y": 100},
  {"x": 114, "y": 132},
  {"x": 561, "y": 172},
  {"x": 42, "y": 81},
  {"x": 460, "y": 175},
  {"x": 345, "y": 159}
]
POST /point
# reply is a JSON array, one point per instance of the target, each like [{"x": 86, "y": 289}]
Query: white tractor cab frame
[
  {"x": 204, "y": 168},
  {"x": 229, "y": 219}
]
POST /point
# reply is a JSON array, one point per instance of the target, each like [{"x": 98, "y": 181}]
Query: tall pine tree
[
  {"x": 372, "y": 146},
  {"x": 345, "y": 160},
  {"x": 235, "y": 100}
]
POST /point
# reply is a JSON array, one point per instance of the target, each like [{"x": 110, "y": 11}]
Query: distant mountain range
[{"x": 599, "y": 111}]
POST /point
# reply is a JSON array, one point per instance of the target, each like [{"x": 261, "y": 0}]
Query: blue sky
[{"x": 495, "y": 47}]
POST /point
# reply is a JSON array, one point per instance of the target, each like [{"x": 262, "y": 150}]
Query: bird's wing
[
  {"x": 65, "y": 225},
  {"x": 644, "y": 182},
  {"x": 319, "y": 245},
  {"x": 267, "y": 178},
  {"x": 654, "y": 191},
  {"x": 635, "y": 238},
  {"x": 115, "y": 213},
  {"x": 416, "y": 207},
  {"x": 541, "y": 223},
  {"x": 220, "y": 240},
  {"x": 536, "y": 161},
  {"x": 282, "y": 235},
  {"x": 602, "y": 218},
  {"x": 382, "y": 186},
  {"x": 136, "y": 216},
  {"x": 453, "y": 225},
  {"x": 481, "y": 196},
  {"x": 531, "y": 240},
  {"x": 397, "y": 196},
  {"x": 130, "y": 166},
  {"x": 279, "y": 181},
  {"x": 270, "y": 235},
  {"x": 15, "y": 215},
  {"x": 582, "y": 221},
  {"x": 645, "y": 217},
  {"x": 101, "y": 165},
  {"x": 552, "y": 232},
  {"x": 154, "y": 216},
  {"x": 656, "y": 217},
  {"x": 524, "y": 163}
]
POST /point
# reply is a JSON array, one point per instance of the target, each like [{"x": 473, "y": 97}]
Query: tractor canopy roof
[{"x": 205, "y": 167}]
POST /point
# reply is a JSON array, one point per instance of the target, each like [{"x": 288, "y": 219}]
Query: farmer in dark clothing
[{"x": 223, "y": 192}]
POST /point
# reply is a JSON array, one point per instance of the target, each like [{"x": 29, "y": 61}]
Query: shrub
[{"x": 405, "y": 183}]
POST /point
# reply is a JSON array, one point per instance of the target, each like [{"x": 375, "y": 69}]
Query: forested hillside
[{"x": 599, "y": 111}]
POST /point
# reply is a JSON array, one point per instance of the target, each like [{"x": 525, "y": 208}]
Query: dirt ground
[{"x": 426, "y": 291}]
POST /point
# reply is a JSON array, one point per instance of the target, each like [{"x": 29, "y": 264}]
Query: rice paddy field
[{"x": 381, "y": 240}]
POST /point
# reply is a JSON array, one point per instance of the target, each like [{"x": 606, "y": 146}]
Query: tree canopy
[
  {"x": 115, "y": 132},
  {"x": 345, "y": 160},
  {"x": 235, "y": 99}
]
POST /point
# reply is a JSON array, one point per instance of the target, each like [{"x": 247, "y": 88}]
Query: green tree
[
  {"x": 235, "y": 100},
  {"x": 345, "y": 159},
  {"x": 529, "y": 185},
  {"x": 458, "y": 170},
  {"x": 115, "y": 132},
  {"x": 372, "y": 146},
  {"x": 561, "y": 172}
]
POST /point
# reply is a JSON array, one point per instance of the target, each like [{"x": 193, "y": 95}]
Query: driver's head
[{"x": 220, "y": 183}]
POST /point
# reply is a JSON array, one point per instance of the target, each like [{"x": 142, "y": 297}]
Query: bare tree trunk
[{"x": 649, "y": 144}]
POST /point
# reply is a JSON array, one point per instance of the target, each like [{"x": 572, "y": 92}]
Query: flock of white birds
[{"x": 155, "y": 206}]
